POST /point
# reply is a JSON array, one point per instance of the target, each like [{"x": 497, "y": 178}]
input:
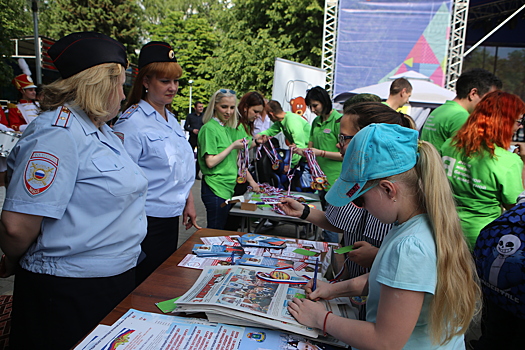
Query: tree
[
  {"x": 119, "y": 19},
  {"x": 508, "y": 68},
  {"x": 15, "y": 21},
  {"x": 511, "y": 71},
  {"x": 193, "y": 40},
  {"x": 256, "y": 32}
]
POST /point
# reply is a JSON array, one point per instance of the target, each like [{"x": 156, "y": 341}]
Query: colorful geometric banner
[{"x": 379, "y": 39}]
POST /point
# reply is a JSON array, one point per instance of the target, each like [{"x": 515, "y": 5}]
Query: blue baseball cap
[{"x": 376, "y": 151}]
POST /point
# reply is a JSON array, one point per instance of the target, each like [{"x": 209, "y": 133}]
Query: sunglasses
[
  {"x": 343, "y": 138},
  {"x": 360, "y": 201},
  {"x": 225, "y": 91}
]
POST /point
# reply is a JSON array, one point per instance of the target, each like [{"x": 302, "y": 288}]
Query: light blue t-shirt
[
  {"x": 89, "y": 192},
  {"x": 407, "y": 260},
  {"x": 161, "y": 150}
]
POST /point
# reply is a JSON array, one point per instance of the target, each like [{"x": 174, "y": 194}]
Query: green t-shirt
[
  {"x": 325, "y": 136},
  {"x": 481, "y": 185},
  {"x": 295, "y": 129},
  {"x": 443, "y": 123},
  {"x": 213, "y": 138},
  {"x": 240, "y": 133}
]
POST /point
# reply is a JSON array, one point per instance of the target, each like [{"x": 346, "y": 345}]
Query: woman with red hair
[{"x": 483, "y": 174}]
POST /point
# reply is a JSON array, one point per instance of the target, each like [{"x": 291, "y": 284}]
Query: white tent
[{"x": 425, "y": 94}]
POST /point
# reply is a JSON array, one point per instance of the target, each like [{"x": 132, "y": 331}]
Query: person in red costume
[{"x": 27, "y": 109}]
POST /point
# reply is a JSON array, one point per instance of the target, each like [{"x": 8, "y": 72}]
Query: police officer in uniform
[
  {"x": 156, "y": 142},
  {"x": 74, "y": 211}
]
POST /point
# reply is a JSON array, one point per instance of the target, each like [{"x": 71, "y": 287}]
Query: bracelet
[
  {"x": 306, "y": 212},
  {"x": 324, "y": 324},
  {"x": 323, "y": 154}
]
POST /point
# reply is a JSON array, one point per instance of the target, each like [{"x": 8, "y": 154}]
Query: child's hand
[
  {"x": 291, "y": 207},
  {"x": 322, "y": 291},
  {"x": 363, "y": 254},
  {"x": 307, "y": 312}
]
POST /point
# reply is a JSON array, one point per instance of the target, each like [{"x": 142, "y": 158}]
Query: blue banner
[{"x": 378, "y": 39}]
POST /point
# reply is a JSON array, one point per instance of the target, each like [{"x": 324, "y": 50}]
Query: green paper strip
[
  {"x": 344, "y": 249},
  {"x": 168, "y": 305},
  {"x": 304, "y": 252}
]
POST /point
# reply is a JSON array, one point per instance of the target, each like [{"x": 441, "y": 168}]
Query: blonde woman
[
  {"x": 421, "y": 288},
  {"x": 74, "y": 210},
  {"x": 218, "y": 156}
]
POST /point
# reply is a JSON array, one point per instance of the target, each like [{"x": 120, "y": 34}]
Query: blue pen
[{"x": 315, "y": 275}]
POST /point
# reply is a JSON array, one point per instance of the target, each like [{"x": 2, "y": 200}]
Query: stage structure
[
  {"x": 375, "y": 40},
  {"x": 329, "y": 40},
  {"x": 378, "y": 39}
]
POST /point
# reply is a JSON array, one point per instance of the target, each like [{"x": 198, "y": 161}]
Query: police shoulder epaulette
[
  {"x": 62, "y": 117},
  {"x": 129, "y": 112}
]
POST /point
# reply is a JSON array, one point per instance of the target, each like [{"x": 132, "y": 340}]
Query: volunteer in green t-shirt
[
  {"x": 448, "y": 118},
  {"x": 296, "y": 129},
  {"x": 324, "y": 136},
  {"x": 218, "y": 156},
  {"x": 483, "y": 174}
]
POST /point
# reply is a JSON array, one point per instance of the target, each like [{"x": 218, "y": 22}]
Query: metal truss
[
  {"x": 456, "y": 45},
  {"x": 495, "y": 9},
  {"x": 329, "y": 41}
]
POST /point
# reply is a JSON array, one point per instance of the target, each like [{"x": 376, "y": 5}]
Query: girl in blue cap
[{"x": 422, "y": 292}]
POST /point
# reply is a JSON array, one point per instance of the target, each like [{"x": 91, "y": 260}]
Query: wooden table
[{"x": 168, "y": 281}]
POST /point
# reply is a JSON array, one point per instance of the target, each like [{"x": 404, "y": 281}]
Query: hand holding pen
[{"x": 314, "y": 285}]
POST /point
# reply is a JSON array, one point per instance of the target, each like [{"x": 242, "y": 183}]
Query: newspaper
[
  {"x": 143, "y": 330},
  {"x": 237, "y": 292}
]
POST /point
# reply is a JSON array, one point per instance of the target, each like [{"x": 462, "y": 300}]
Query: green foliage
[
  {"x": 294, "y": 24},
  {"x": 119, "y": 19},
  {"x": 510, "y": 68},
  {"x": 255, "y": 33},
  {"x": 15, "y": 21},
  {"x": 512, "y": 71},
  {"x": 193, "y": 41},
  {"x": 219, "y": 43}
]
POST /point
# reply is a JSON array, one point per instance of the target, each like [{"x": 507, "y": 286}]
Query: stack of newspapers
[
  {"x": 151, "y": 331},
  {"x": 255, "y": 297}
]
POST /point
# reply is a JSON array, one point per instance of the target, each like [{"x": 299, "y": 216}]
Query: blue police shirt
[
  {"x": 88, "y": 190},
  {"x": 160, "y": 148}
]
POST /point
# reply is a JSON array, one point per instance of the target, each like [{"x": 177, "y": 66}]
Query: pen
[{"x": 315, "y": 274}]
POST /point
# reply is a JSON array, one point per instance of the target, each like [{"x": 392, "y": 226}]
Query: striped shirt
[{"x": 350, "y": 218}]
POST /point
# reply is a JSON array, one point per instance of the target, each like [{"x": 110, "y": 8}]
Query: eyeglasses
[
  {"x": 343, "y": 138},
  {"x": 225, "y": 91}
]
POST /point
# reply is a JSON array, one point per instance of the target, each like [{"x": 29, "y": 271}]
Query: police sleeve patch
[{"x": 40, "y": 172}]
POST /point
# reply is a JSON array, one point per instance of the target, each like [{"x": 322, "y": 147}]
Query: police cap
[
  {"x": 156, "y": 51},
  {"x": 79, "y": 51}
]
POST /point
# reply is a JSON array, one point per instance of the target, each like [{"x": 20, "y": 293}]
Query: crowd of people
[{"x": 92, "y": 210}]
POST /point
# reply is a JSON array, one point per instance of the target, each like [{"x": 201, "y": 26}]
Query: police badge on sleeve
[{"x": 40, "y": 172}]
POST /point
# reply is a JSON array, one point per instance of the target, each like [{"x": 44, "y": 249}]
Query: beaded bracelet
[{"x": 324, "y": 324}]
